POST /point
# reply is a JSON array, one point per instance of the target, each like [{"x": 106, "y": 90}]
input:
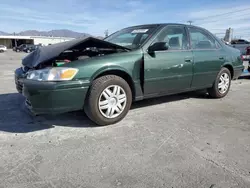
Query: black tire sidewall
[
  {"x": 92, "y": 109},
  {"x": 215, "y": 87}
]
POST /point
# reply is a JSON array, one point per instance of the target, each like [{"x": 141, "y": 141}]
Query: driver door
[{"x": 169, "y": 71}]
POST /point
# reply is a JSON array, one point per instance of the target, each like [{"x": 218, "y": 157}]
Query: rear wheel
[
  {"x": 109, "y": 100},
  {"x": 221, "y": 85}
]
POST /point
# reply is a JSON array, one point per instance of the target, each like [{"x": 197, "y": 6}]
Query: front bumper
[
  {"x": 19, "y": 76},
  {"x": 52, "y": 97}
]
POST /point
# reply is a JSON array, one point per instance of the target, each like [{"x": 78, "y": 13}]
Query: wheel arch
[
  {"x": 118, "y": 72},
  {"x": 230, "y": 68}
]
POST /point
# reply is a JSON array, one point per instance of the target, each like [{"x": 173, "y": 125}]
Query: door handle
[{"x": 188, "y": 60}]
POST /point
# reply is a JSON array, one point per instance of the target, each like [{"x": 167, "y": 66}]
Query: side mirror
[{"x": 158, "y": 46}]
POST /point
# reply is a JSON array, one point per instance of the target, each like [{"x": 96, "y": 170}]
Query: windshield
[{"x": 132, "y": 37}]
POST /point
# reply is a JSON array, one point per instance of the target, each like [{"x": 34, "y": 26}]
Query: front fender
[
  {"x": 109, "y": 67},
  {"x": 127, "y": 62}
]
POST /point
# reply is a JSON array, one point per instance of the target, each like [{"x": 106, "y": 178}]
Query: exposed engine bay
[
  {"x": 61, "y": 53},
  {"x": 76, "y": 54}
]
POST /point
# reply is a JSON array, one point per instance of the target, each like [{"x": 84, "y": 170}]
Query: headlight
[
  {"x": 53, "y": 74},
  {"x": 24, "y": 69}
]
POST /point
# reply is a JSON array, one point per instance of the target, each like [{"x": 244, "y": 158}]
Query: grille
[{"x": 28, "y": 104}]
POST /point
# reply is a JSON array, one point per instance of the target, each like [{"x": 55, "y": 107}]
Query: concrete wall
[
  {"x": 6, "y": 42},
  {"x": 9, "y": 41}
]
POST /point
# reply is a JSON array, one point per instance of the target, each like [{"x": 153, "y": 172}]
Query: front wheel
[
  {"x": 108, "y": 100},
  {"x": 221, "y": 85}
]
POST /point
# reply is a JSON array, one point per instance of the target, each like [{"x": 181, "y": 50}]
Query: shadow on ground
[
  {"x": 243, "y": 77},
  {"x": 15, "y": 118},
  {"x": 171, "y": 98}
]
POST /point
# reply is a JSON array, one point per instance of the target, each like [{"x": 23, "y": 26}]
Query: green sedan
[{"x": 104, "y": 77}]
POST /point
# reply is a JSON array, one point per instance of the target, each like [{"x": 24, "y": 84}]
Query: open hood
[{"x": 47, "y": 53}]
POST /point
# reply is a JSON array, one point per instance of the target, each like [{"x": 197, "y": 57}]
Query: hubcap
[
  {"x": 112, "y": 101},
  {"x": 224, "y": 83}
]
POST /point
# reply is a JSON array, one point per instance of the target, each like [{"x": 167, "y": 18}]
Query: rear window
[{"x": 202, "y": 40}]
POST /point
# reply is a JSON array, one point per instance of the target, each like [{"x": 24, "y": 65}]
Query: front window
[
  {"x": 174, "y": 36},
  {"x": 132, "y": 37}
]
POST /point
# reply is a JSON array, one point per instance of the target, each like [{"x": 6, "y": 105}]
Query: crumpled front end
[
  {"x": 70, "y": 51},
  {"x": 54, "y": 97},
  {"x": 44, "y": 82}
]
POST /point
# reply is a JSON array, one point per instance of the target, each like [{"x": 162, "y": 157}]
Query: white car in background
[{"x": 3, "y": 48}]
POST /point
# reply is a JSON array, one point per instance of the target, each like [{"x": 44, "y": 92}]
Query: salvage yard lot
[{"x": 187, "y": 140}]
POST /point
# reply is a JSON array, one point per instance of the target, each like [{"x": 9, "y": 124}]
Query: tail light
[{"x": 248, "y": 50}]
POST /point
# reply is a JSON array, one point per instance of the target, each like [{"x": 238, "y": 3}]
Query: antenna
[{"x": 106, "y": 33}]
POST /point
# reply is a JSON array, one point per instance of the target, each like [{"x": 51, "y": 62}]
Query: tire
[
  {"x": 219, "y": 91},
  {"x": 97, "y": 97}
]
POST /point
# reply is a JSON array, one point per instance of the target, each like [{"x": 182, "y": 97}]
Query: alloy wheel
[
  {"x": 224, "y": 83},
  {"x": 112, "y": 101}
]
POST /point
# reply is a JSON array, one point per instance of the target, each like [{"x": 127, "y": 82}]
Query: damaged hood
[{"x": 50, "y": 52}]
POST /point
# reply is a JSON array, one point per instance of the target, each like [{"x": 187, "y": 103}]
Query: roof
[
  {"x": 157, "y": 24},
  {"x": 164, "y": 24}
]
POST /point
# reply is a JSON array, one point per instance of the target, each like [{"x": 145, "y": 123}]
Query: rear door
[{"x": 208, "y": 57}]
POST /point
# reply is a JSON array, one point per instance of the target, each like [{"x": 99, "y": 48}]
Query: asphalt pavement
[{"x": 180, "y": 141}]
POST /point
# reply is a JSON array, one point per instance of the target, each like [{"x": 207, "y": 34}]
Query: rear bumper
[
  {"x": 238, "y": 71},
  {"x": 52, "y": 97},
  {"x": 246, "y": 57}
]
